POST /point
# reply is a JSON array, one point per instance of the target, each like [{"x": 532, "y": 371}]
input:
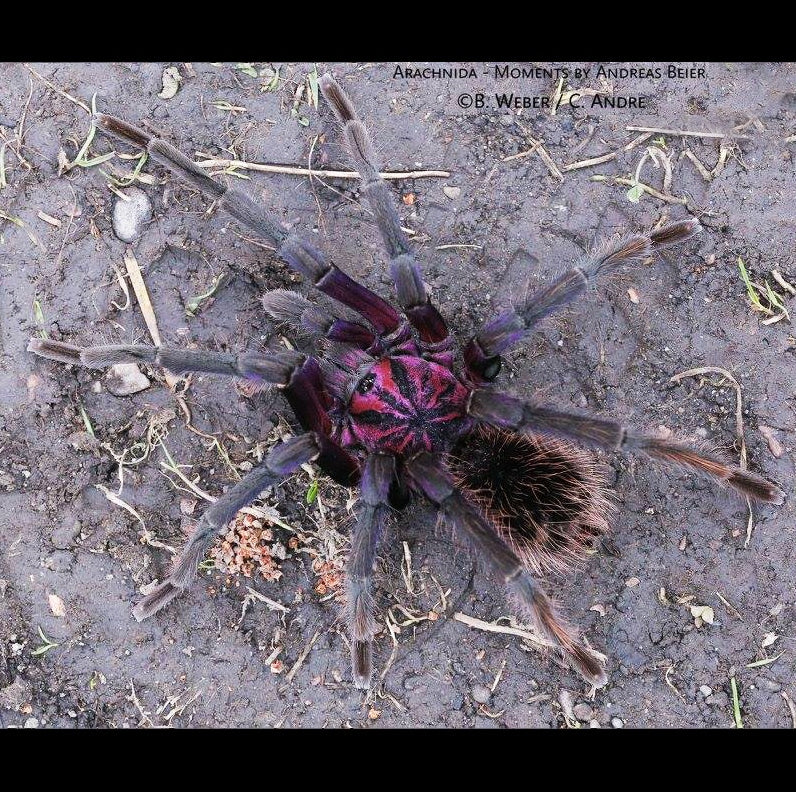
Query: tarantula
[{"x": 387, "y": 405}]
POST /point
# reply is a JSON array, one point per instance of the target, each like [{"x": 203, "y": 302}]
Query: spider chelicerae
[{"x": 388, "y": 405}]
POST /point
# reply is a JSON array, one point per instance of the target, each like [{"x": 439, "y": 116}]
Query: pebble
[
  {"x": 32, "y": 723},
  {"x": 481, "y": 694},
  {"x": 129, "y": 216},
  {"x": 594, "y": 724},
  {"x": 124, "y": 379},
  {"x": 583, "y": 712},
  {"x": 706, "y": 691},
  {"x": 617, "y": 723},
  {"x": 452, "y": 192}
]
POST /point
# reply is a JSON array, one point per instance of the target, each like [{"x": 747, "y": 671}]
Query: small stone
[
  {"x": 125, "y": 379},
  {"x": 481, "y": 694},
  {"x": 594, "y": 724},
  {"x": 706, "y": 691},
  {"x": 32, "y": 723},
  {"x": 583, "y": 712},
  {"x": 720, "y": 699},
  {"x": 17, "y": 693},
  {"x": 617, "y": 723},
  {"x": 452, "y": 192},
  {"x": 129, "y": 216}
]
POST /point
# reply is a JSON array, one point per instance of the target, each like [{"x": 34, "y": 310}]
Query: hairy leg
[
  {"x": 500, "y": 409},
  {"x": 299, "y": 254},
  {"x": 279, "y": 463},
  {"x": 296, "y": 375},
  {"x": 512, "y": 327},
  {"x": 429, "y": 477},
  {"x": 274, "y": 368},
  {"x": 284, "y": 305},
  {"x": 377, "y": 476},
  {"x": 404, "y": 269}
]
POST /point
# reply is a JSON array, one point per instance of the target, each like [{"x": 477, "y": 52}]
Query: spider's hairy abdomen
[
  {"x": 406, "y": 404},
  {"x": 542, "y": 494}
]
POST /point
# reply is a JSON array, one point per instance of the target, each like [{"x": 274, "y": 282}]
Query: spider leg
[
  {"x": 500, "y": 409},
  {"x": 273, "y": 368},
  {"x": 277, "y": 465},
  {"x": 406, "y": 275},
  {"x": 482, "y": 354},
  {"x": 298, "y": 253},
  {"x": 428, "y": 476},
  {"x": 372, "y": 511},
  {"x": 297, "y": 375},
  {"x": 284, "y": 305}
]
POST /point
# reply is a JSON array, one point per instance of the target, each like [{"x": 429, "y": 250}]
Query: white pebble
[
  {"x": 124, "y": 379},
  {"x": 452, "y": 192},
  {"x": 617, "y": 723},
  {"x": 129, "y": 216},
  {"x": 706, "y": 691},
  {"x": 31, "y": 723}
]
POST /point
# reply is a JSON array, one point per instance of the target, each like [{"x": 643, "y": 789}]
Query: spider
[{"x": 388, "y": 405}]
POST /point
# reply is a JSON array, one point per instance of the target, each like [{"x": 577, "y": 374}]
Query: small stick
[
  {"x": 653, "y": 192},
  {"x": 730, "y": 607},
  {"x": 452, "y": 247},
  {"x": 498, "y": 675},
  {"x": 478, "y": 624},
  {"x": 272, "y": 604},
  {"x": 301, "y": 658},
  {"x": 526, "y": 153},
  {"x": 141, "y": 294},
  {"x": 791, "y": 706},
  {"x": 777, "y": 275},
  {"x": 682, "y": 132},
  {"x": 294, "y": 170},
  {"x": 55, "y": 88},
  {"x": 587, "y": 163},
  {"x": 548, "y": 160}
]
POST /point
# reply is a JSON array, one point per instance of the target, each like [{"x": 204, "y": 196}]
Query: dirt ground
[{"x": 72, "y": 561}]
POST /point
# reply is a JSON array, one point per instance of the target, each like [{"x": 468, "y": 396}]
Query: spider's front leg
[
  {"x": 297, "y": 252},
  {"x": 406, "y": 275},
  {"x": 282, "y": 461},
  {"x": 297, "y": 375}
]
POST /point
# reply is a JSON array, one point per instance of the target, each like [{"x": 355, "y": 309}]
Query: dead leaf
[
  {"x": 633, "y": 294},
  {"x": 171, "y": 82},
  {"x": 599, "y": 608},
  {"x": 633, "y": 581},
  {"x": 768, "y": 639},
  {"x": 58, "y": 608},
  {"x": 774, "y": 446}
]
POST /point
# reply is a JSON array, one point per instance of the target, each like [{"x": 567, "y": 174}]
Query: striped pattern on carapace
[{"x": 406, "y": 404}]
